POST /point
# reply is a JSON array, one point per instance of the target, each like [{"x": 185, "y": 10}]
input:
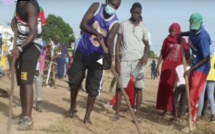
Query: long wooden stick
[
  {"x": 12, "y": 85},
  {"x": 122, "y": 90},
  {"x": 187, "y": 86}
]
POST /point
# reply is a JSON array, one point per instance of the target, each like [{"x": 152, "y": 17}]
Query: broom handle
[
  {"x": 12, "y": 84},
  {"x": 187, "y": 86},
  {"x": 122, "y": 90}
]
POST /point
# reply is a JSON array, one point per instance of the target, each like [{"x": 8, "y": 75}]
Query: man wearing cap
[{"x": 200, "y": 66}]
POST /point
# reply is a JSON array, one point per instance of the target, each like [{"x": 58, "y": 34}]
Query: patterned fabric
[
  {"x": 23, "y": 28},
  {"x": 51, "y": 66}
]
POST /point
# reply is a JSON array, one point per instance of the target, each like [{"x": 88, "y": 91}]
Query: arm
[
  {"x": 87, "y": 18},
  {"x": 117, "y": 55},
  {"x": 185, "y": 33},
  {"x": 111, "y": 37},
  {"x": 200, "y": 63},
  {"x": 204, "y": 50},
  {"x": 13, "y": 24},
  {"x": 160, "y": 60},
  {"x": 32, "y": 21},
  {"x": 146, "y": 53}
]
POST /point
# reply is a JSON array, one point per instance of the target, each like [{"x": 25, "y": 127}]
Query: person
[
  {"x": 129, "y": 92},
  {"x": 170, "y": 58},
  {"x": 38, "y": 73},
  {"x": 99, "y": 23},
  {"x": 133, "y": 42},
  {"x": 153, "y": 66},
  {"x": 200, "y": 41},
  {"x": 180, "y": 90},
  {"x": 61, "y": 62},
  {"x": 208, "y": 89},
  {"x": 27, "y": 51},
  {"x": 52, "y": 54}
]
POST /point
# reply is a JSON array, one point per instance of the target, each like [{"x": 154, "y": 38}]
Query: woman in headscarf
[{"x": 171, "y": 57}]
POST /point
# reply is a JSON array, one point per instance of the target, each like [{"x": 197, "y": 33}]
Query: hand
[
  {"x": 143, "y": 60},
  {"x": 99, "y": 36},
  {"x": 16, "y": 53},
  {"x": 187, "y": 73},
  {"x": 157, "y": 72}
]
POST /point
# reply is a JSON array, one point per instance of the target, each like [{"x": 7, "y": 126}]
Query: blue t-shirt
[{"x": 201, "y": 49}]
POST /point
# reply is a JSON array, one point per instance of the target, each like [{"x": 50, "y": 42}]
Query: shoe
[
  {"x": 39, "y": 106},
  {"x": 213, "y": 118},
  {"x": 26, "y": 124},
  {"x": 18, "y": 119},
  {"x": 108, "y": 106},
  {"x": 199, "y": 118}
]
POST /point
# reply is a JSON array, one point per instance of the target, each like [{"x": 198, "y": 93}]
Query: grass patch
[{"x": 56, "y": 130}]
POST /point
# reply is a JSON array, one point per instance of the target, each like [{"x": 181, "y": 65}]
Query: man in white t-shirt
[{"x": 133, "y": 45}]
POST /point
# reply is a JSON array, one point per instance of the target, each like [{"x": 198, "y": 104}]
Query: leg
[
  {"x": 183, "y": 101},
  {"x": 27, "y": 97},
  {"x": 201, "y": 101},
  {"x": 138, "y": 100},
  {"x": 175, "y": 101},
  {"x": 38, "y": 87},
  {"x": 27, "y": 64},
  {"x": 124, "y": 79},
  {"x": 76, "y": 74},
  {"x": 210, "y": 90},
  {"x": 93, "y": 87},
  {"x": 90, "y": 103},
  {"x": 118, "y": 103},
  {"x": 112, "y": 84},
  {"x": 197, "y": 81}
]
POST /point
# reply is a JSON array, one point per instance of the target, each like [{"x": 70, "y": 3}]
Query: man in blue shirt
[{"x": 200, "y": 66}]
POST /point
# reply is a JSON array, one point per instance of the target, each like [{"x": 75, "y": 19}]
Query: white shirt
[
  {"x": 132, "y": 47},
  {"x": 180, "y": 73}
]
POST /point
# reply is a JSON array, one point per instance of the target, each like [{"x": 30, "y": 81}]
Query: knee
[{"x": 74, "y": 87}]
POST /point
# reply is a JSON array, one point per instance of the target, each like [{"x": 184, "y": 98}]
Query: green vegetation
[{"x": 56, "y": 27}]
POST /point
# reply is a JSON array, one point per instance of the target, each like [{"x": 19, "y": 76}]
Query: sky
[{"x": 157, "y": 15}]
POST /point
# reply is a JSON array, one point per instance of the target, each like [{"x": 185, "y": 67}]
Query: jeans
[
  {"x": 209, "y": 89},
  {"x": 38, "y": 86}
]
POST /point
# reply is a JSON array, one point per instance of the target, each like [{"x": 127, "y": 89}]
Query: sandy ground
[{"x": 56, "y": 103}]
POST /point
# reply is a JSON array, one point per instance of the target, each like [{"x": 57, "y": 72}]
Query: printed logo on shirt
[{"x": 24, "y": 76}]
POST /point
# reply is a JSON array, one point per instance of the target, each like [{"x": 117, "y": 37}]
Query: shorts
[
  {"x": 128, "y": 68},
  {"x": 76, "y": 74},
  {"x": 26, "y": 65}
]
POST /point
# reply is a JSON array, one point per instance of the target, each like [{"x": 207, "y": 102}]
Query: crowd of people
[{"x": 100, "y": 24}]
